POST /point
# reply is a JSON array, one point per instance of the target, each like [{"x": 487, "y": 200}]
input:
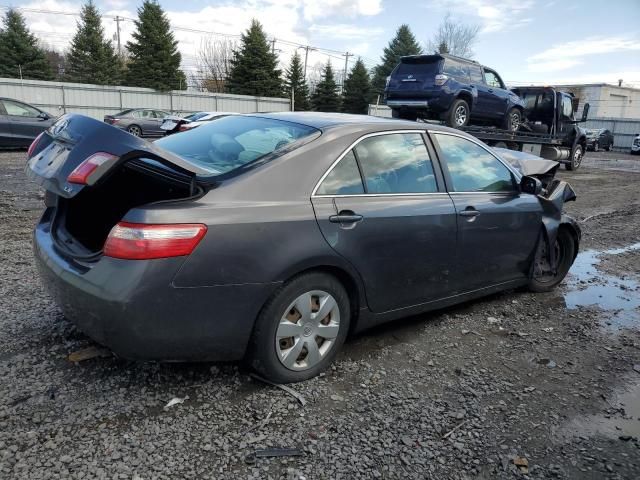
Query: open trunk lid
[{"x": 75, "y": 138}]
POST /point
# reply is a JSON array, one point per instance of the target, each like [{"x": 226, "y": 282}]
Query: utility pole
[
  {"x": 306, "y": 57},
  {"x": 273, "y": 46},
  {"x": 20, "y": 71},
  {"x": 346, "y": 56},
  {"x": 117, "y": 20}
]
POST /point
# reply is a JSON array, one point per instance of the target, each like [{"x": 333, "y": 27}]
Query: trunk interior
[{"x": 87, "y": 218}]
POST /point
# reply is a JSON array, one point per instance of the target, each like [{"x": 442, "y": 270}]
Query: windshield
[
  {"x": 234, "y": 141},
  {"x": 196, "y": 116}
]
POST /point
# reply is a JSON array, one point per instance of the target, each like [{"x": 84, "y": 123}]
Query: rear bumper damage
[{"x": 133, "y": 308}]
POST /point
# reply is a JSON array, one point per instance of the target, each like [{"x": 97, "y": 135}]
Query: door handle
[
  {"x": 469, "y": 212},
  {"x": 345, "y": 217},
  {"x": 490, "y": 90}
]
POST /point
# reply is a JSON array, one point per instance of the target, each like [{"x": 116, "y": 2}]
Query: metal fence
[
  {"x": 624, "y": 129},
  {"x": 97, "y": 100}
]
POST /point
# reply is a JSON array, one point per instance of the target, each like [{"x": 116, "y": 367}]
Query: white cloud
[
  {"x": 493, "y": 15},
  {"x": 344, "y": 31},
  {"x": 566, "y": 55},
  {"x": 314, "y": 9}
]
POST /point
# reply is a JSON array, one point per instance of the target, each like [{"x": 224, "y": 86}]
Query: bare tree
[
  {"x": 454, "y": 37},
  {"x": 214, "y": 62}
]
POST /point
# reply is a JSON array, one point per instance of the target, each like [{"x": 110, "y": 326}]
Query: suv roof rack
[{"x": 443, "y": 55}]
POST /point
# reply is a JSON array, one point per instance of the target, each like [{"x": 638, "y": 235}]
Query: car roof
[{"x": 321, "y": 120}]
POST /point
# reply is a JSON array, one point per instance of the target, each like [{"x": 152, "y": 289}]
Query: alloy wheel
[
  {"x": 135, "y": 131},
  {"x": 307, "y": 330},
  {"x": 577, "y": 157},
  {"x": 515, "y": 121},
  {"x": 460, "y": 116}
]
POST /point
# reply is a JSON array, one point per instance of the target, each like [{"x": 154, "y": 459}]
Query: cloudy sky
[{"x": 563, "y": 41}]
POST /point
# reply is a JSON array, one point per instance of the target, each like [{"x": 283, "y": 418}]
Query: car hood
[{"x": 527, "y": 163}]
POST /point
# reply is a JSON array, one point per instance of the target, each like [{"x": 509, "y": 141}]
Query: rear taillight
[
  {"x": 89, "y": 171},
  {"x": 33, "y": 145},
  {"x": 441, "y": 80},
  {"x": 139, "y": 241},
  {"x": 186, "y": 126}
]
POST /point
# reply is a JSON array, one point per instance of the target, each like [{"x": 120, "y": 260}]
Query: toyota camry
[{"x": 271, "y": 237}]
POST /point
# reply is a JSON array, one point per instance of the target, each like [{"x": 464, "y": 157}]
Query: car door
[
  {"x": 498, "y": 226},
  {"x": 495, "y": 94},
  {"x": 482, "y": 107},
  {"x": 383, "y": 207},
  {"x": 26, "y": 122},
  {"x": 158, "y": 117}
]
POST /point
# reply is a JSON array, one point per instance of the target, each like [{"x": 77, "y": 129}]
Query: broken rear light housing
[
  {"x": 33, "y": 145},
  {"x": 140, "y": 241}
]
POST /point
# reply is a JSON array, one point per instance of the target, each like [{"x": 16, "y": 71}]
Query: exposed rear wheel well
[
  {"x": 467, "y": 97},
  {"x": 574, "y": 236}
]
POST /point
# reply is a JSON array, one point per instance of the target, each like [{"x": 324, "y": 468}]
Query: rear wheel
[
  {"x": 576, "y": 158},
  {"x": 610, "y": 147},
  {"x": 459, "y": 114},
  {"x": 300, "y": 329},
  {"x": 546, "y": 276},
  {"x": 596, "y": 147},
  {"x": 512, "y": 120},
  {"x": 134, "y": 130}
]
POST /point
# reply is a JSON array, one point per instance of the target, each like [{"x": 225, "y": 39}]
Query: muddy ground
[{"x": 545, "y": 381}]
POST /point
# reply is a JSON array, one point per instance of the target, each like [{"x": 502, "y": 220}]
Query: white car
[
  {"x": 635, "y": 146},
  {"x": 175, "y": 124}
]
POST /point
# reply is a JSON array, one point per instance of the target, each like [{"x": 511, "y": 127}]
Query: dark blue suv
[{"x": 452, "y": 89}]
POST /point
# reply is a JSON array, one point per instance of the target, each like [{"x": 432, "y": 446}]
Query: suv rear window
[
  {"x": 456, "y": 70},
  {"x": 419, "y": 66}
]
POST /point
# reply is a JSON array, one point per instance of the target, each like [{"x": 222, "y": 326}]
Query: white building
[{"x": 606, "y": 101}]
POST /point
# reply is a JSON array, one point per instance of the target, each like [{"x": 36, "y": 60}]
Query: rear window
[
  {"x": 123, "y": 113},
  {"x": 456, "y": 70},
  {"x": 234, "y": 141},
  {"x": 419, "y": 66}
]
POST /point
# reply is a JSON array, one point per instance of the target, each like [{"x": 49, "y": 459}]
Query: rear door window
[
  {"x": 19, "y": 109},
  {"x": 457, "y": 70},
  {"x": 475, "y": 74},
  {"x": 344, "y": 179},
  {"x": 396, "y": 163},
  {"x": 472, "y": 168}
]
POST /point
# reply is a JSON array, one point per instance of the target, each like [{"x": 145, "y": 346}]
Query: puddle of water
[
  {"x": 625, "y": 422},
  {"x": 587, "y": 286}
]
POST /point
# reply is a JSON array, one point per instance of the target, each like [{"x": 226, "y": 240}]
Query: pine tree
[
  {"x": 443, "y": 48},
  {"x": 325, "y": 98},
  {"x": 254, "y": 68},
  {"x": 404, "y": 43},
  {"x": 154, "y": 59},
  {"x": 20, "y": 53},
  {"x": 294, "y": 81},
  {"x": 91, "y": 58},
  {"x": 357, "y": 90}
]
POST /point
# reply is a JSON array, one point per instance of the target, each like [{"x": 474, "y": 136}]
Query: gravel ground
[{"x": 494, "y": 388}]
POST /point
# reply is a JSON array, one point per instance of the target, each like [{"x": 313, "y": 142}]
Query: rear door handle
[
  {"x": 469, "y": 213},
  {"x": 345, "y": 217}
]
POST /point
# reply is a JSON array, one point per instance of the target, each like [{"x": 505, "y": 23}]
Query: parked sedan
[
  {"x": 271, "y": 237},
  {"x": 175, "y": 124},
  {"x": 20, "y": 123},
  {"x": 598, "y": 138},
  {"x": 139, "y": 122}
]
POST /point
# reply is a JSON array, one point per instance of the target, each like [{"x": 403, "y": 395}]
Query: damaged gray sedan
[{"x": 271, "y": 237}]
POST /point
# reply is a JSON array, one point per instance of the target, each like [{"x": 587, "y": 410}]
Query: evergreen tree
[
  {"x": 326, "y": 98},
  {"x": 294, "y": 80},
  {"x": 357, "y": 90},
  {"x": 404, "y": 43},
  {"x": 19, "y": 50},
  {"x": 91, "y": 58},
  {"x": 443, "y": 48},
  {"x": 254, "y": 68},
  {"x": 154, "y": 59}
]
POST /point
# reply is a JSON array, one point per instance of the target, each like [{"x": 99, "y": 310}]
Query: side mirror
[
  {"x": 585, "y": 113},
  {"x": 43, "y": 116},
  {"x": 530, "y": 185}
]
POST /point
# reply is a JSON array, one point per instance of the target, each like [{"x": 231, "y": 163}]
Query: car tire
[
  {"x": 459, "y": 114},
  {"x": 270, "y": 353},
  {"x": 576, "y": 158},
  {"x": 596, "y": 147},
  {"x": 609, "y": 147},
  {"x": 512, "y": 120},
  {"x": 565, "y": 251},
  {"x": 134, "y": 130}
]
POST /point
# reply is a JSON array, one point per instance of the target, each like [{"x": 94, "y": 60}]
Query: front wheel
[
  {"x": 512, "y": 120},
  {"x": 576, "y": 158},
  {"x": 596, "y": 147},
  {"x": 609, "y": 147},
  {"x": 459, "y": 114},
  {"x": 300, "y": 329},
  {"x": 545, "y": 276},
  {"x": 135, "y": 130}
]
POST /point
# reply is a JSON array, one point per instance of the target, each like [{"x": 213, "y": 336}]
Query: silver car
[{"x": 140, "y": 122}]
